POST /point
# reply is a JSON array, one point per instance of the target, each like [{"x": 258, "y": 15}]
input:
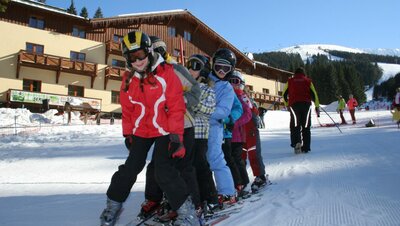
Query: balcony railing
[
  {"x": 56, "y": 63},
  {"x": 113, "y": 47},
  {"x": 114, "y": 73},
  {"x": 266, "y": 98}
]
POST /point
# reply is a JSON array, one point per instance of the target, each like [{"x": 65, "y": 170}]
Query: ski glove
[
  {"x": 229, "y": 123},
  {"x": 176, "y": 148},
  {"x": 128, "y": 141},
  {"x": 317, "y": 111}
]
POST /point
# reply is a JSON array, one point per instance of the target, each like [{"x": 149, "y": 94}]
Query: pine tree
[
  {"x": 98, "y": 13},
  {"x": 3, "y": 5},
  {"x": 84, "y": 13},
  {"x": 72, "y": 8}
]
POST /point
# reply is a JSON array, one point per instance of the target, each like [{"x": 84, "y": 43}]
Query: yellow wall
[
  {"x": 259, "y": 84},
  {"x": 15, "y": 39}
]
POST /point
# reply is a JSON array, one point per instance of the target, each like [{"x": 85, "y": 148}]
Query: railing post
[{"x": 15, "y": 124}]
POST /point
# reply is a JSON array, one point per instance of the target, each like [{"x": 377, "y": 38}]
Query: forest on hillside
[
  {"x": 352, "y": 75},
  {"x": 387, "y": 88}
]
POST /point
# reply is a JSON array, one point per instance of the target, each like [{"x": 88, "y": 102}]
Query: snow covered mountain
[{"x": 307, "y": 51}]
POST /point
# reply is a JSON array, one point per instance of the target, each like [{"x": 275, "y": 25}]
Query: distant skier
[
  {"x": 297, "y": 94},
  {"x": 351, "y": 105},
  {"x": 397, "y": 99},
  {"x": 262, "y": 111},
  {"x": 340, "y": 109}
]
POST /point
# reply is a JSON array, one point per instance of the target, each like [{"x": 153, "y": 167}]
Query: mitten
[
  {"x": 128, "y": 141},
  {"x": 176, "y": 148}
]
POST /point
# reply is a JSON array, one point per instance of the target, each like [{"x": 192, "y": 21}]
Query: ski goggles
[
  {"x": 137, "y": 55},
  {"x": 225, "y": 68},
  {"x": 194, "y": 65},
  {"x": 160, "y": 50},
  {"x": 235, "y": 81}
]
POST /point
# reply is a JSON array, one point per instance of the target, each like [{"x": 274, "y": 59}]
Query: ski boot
[
  {"x": 111, "y": 213},
  {"x": 241, "y": 193},
  {"x": 297, "y": 148},
  {"x": 187, "y": 215},
  {"x": 147, "y": 208},
  {"x": 259, "y": 182},
  {"x": 226, "y": 200}
]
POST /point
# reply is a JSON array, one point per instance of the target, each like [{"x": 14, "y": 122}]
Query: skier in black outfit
[{"x": 297, "y": 94}]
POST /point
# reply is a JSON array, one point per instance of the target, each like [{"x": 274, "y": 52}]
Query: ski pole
[{"x": 331, "y": 119}]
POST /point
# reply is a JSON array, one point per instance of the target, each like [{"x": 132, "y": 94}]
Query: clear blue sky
[{"x": 268, "y": 25}]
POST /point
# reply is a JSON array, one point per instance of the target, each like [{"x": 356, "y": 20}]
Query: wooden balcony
[
  {"x": 113, "y": 73},
  {"x": 56, "y": 63},
  {"x": 114, "y": 48}
]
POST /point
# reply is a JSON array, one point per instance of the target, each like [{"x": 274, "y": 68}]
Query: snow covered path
[
  {"x": 59, "y": 177},
  {"x": 347, "y": 179}
]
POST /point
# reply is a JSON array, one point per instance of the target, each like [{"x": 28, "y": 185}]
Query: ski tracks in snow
[{"x": 332, "y": 185}]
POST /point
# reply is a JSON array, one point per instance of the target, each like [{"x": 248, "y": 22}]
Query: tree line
[
  {"x": 84, "y": 12},
  {"x": 330, "y": 78},
  {"x": 387, "y": 88}
]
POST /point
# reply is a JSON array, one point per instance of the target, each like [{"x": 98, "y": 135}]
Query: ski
[
  {"x": 232, "y": 209},
  {"x": 141, "y": 221},
  {"x": 217, "y": 220}
]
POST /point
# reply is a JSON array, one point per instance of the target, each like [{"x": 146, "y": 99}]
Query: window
[
  {"x": 36, "y": 22},
  {"x": 249, "y": 87},
  {"x": 34, "y": 48},
  {"x": 118, "y": 38},
  {"x": 118, "y": 63},
  {"x": 32, "y": 85},
  {"x": 115, "y": 97},
  {"x": 171, "y": 31},
  {"x": 77, "y": 56},
  {"x": 280, "y": 93},
  {"x": 187, "y": 36},
  {"x": 76, "y": 91},
  {"x": 266, "y": 91},
  {"x": 78, "y": 32}
]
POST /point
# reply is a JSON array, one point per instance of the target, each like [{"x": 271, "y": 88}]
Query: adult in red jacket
[
  {"x": 298, "y": 94},
  {"x": 351, "y": 105},
  {"x": 153, "y": 111}
]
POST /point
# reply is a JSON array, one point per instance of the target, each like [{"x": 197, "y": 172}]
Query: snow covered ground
[{"x": 58, "y": 175}]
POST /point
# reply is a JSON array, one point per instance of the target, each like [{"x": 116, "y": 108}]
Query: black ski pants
[
  {"x": 208, "y": 191},
  {"x": 300, "y": 124},
  {"x": 230, "y": 161},
  {"x": 166, "y": 175},
  {"x": 153, "y": 190},
  {"x": 237, "y": 149}
]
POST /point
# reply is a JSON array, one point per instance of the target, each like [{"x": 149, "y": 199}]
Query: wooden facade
[{"x": 202, "y": 40}]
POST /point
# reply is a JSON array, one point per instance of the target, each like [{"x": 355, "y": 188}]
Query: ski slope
[{"x": 58, "y": 175}]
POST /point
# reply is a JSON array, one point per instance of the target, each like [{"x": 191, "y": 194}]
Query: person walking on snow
[
  {"x": 351, "y": 105},
  {"x": 340, "y": 109},
  {"x": 223, "y": 64},
  {"x": 298, "y": 93},
  {"x": 153, "y": 111}
]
